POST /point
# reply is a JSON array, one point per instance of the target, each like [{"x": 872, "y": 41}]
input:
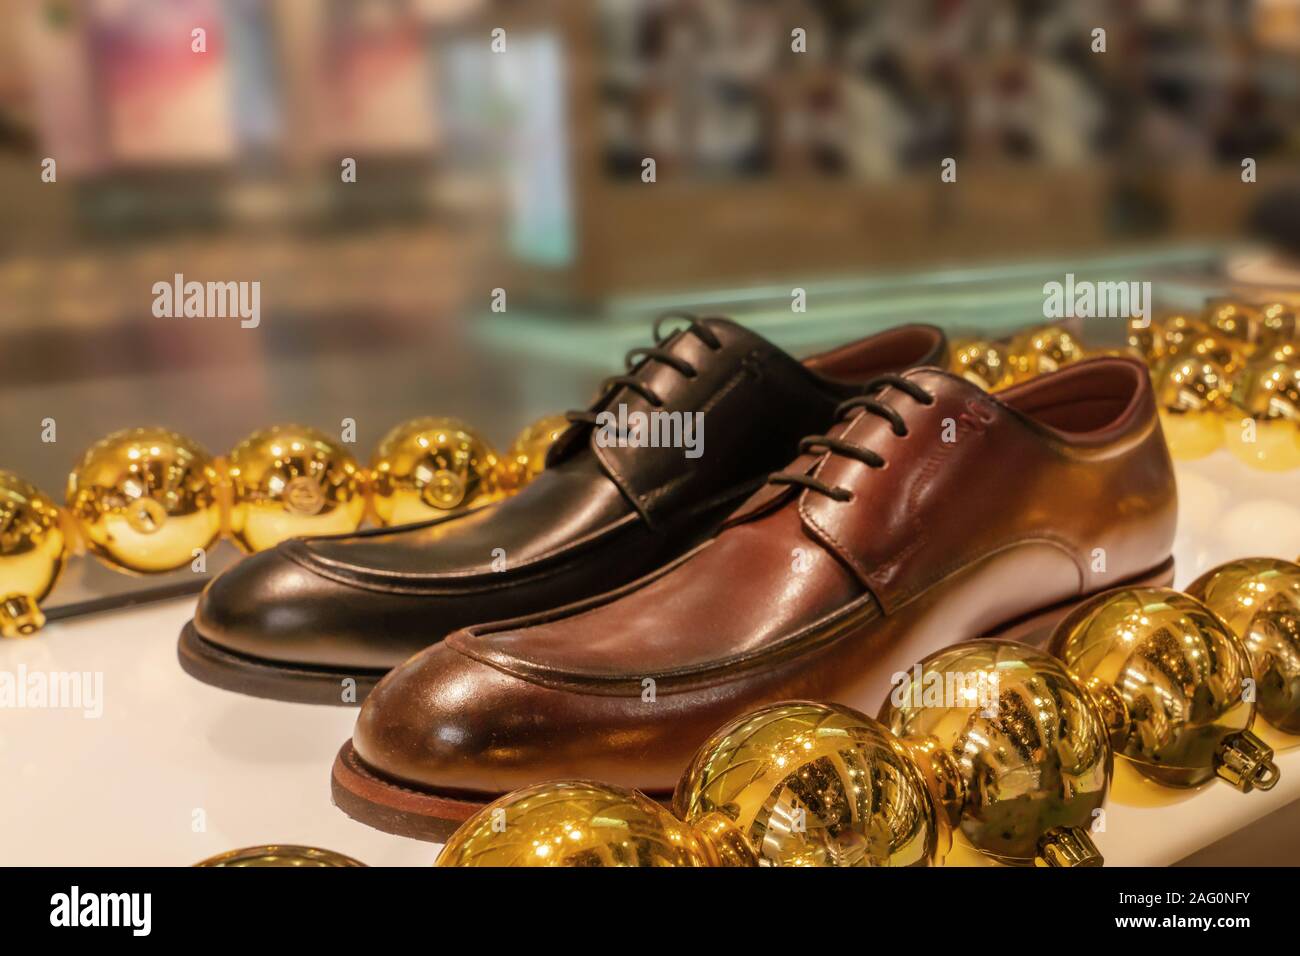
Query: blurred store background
[{"x": 502, "y": 145}]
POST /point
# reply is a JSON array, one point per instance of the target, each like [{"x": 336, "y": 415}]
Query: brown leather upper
[{"x": 988, "y": 509}]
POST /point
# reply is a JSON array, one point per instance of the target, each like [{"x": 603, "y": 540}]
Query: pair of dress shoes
[{"x": 647, "y": 598}]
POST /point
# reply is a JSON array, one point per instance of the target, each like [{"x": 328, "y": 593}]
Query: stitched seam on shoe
[{"x": 710, "y": 673}]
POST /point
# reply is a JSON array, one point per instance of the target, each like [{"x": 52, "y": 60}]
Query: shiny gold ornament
[
  {"x": 146, "y": 499},
  {"x": 1177, "y": 329},
  {"x": 1259, "y": 600},
  {"x": 1146, "y": 341},
  {"x": 429, "y": 467},
  {"x": 1236, "y": 322},
  {"x": 527, "y": 455},
  {"x": 280, "y": 855},
  {"x": 1193, "y": 395},
  {"x": 1041, "y": 350},
  {"x": 1019, "y": 751},
  {"x": 984, "y": 363},
  {"x": 33, "y": 548},
  {"x": 289, "y": 481},
  {"x": 803, "y": 784},
  {"x": 1286, "y": 352},
  {"x": 1214, "y": 347},
  {"x": 575, "y": 823},
  {"x": 1170, "y": 679},
  {"x": 1262, "y": 427},
  {"x": 1278, "y": 328}
]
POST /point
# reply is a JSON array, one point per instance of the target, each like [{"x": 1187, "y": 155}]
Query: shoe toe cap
[
  {"x": 445, "y": 721},
  {"x": 442, "y": 720},
  {"x": 273, "y": 608}
]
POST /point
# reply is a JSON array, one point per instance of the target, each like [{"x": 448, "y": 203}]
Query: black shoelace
[
  {"x": 655, "y": 353},
  {"x": 825, "y": 443}
]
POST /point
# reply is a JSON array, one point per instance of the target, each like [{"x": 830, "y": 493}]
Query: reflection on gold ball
[
  {"x": 1177, "y": 329},
  {"x": 1213, "y": 347},
  {"x": 1259, "y": 599},
  {"x": 814, "y": 785},
  {"x": 527, "y": 455},
  {"x": 276, "y": 855},
  {"x": 1022, "y": 750},
  {"x": 1173, "y": 679},
  {"x": 429, "y": 467},
  {"x": 574, "y": 824},
  {"x": 1147, "y": 341},
  {"x": 288, "y": 481},
  {"x": 1263, "y": 426},
  {"x": 33, "y": 548},
  {"x": 1041, "y": 350},
  {"x": 984, "y": 363},
  {"x": 1278, "y": 327},
  {"x": 1193, "y": 395},
  {"x": 1236, "y": 322},
  {"x": 1286, "y": 352},
  {"x": 146, "y": 499}
]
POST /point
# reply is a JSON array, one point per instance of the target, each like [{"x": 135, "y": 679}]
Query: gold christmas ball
[
  {"x": 33, "y": 548},
  {"x": 1259, "y": 600},
  {"x": 1262, "y": 427},
  {"x": 527, "y": 455},
  {"x": 284, "y": 854},
  {"x": 429, "y": 467},
  {"x": 1147, "y": 341},
  {"x": 1278, "y": 327},
  {"x": 1286, "y": 352},
  {"x": 1177, "y": 329},
  {"x": 984, "y": 363},
  {"x": 1214, "y": 347},
  {"x": 1236, "y": 322},
  {"x": 1171, "y": 679},
  {"x": 1021, "y": 751},
  {"x": 288, "y": 481},
  {"x": 574, "y": 823},
  {"x": 146, "y": 499},
  {"x": 1193, "y": 395},
  {"x": 1041, "y": 350},
  {"x": 805, "y": 784}
]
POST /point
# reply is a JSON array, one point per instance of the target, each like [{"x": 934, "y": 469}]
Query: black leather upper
[{"x": 594, "y": 519}]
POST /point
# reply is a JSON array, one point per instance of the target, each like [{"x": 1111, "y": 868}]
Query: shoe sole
[
  {"x": 432, "y": 815},
  {"x": 228, "y": 670}
]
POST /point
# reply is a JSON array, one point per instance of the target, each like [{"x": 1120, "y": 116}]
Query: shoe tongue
[
  {"x": 726, "y": 421},
  {"x": 856, "y": 427},
  {"x": 741, "y": 343}
]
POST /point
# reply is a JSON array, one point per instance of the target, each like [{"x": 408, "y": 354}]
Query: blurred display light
[{"x": 786, "y": 136}]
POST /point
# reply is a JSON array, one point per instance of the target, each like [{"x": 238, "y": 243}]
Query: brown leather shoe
[
  {"x": 933, "y": 513},
  {"x": 318, "y": 617}
]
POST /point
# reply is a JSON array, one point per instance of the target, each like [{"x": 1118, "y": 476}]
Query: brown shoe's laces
[
  {"x": 694, "y": 326},
  {"x": 838, "y": 446}
]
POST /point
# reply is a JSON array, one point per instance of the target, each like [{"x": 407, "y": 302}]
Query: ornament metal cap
[
  {"x": 1246, "y": 762},
  {"x": 1067, "y": 847},
  {"x": 20, "y": 616}
]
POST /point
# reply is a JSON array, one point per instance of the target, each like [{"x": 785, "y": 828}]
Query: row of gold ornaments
[
  {"x": 1168, "y": 682},
  {"x": 1227, "y": 376},
  {"x": 147, "y": 500}
]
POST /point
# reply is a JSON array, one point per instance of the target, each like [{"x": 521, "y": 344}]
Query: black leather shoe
[{"x": 321, "y": 619}]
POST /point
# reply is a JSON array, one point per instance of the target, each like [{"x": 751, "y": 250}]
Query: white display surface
[{"x": 175, "y": 771}]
